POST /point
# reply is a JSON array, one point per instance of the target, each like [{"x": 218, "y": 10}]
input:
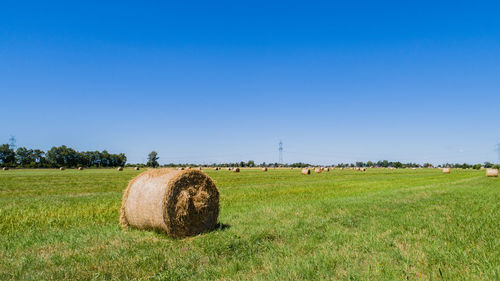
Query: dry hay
[
  {"x": 62, "y": 168},
  {"x": 306, "y": 171},
  {"x": 229, "y": 169},
  {"x": 492, "y": 172},
  {"x": 264, "y": 169},
  {"x": 362, "y": 169},
  {"x": 80, "y": 168},
  {"x": 326, "y": 169},
  {"x": 119, "y": 169},
  {"x": 180, "y": 169},
  {"x": 5, "y": 168},
  {"x": 317, "y": 170},
  {"x": 187, "y": 168},
  {"x": 446, "y": 170},
  {"x": 137, "y": 168},
  {"x": 216, "y": 168},
  {"x": 236, "y": 170},
  {"x": 180, "y": 203}
]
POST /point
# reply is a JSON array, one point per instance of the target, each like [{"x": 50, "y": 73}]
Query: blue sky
[{"x": 204, "y": 81}]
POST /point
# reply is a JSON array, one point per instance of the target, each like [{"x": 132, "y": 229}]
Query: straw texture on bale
[
  {"x": 119, "y": 169},
  {"x": 306, "y": 171},
  {"x": 446, "y": 170},
  {"x": 62, "y": 168},
  {"x": 492, "y": 172},
  {"x": 264, "y": 169},
  {"x": 236, "y": 170},
  {"x": 179, "y": 203},
  {"x": 317, "y": 170},
  {"x": 5, "y": 168}
]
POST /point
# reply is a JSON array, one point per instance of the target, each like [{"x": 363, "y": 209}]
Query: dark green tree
[{"x": 153, "y": 159}]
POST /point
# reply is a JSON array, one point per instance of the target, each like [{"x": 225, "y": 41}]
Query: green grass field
[{"x": 280, "y": 225}]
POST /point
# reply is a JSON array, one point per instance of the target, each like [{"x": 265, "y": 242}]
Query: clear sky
[{"x": 217, "y": 81}]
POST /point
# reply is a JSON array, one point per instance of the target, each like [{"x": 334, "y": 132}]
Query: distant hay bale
[
  {"x": 119, "y": 169},
  {"x": 62, "y": 168},
  {"x": 492, "y": 172},
  {"x": 80, "y": 168},
  {"x": 229, "y": 169},
  {"x": 362, "y": 169},
  {"x": 216, "y": 168},
  {"x": 264, "y": 169},
  {"x": 136, "y": 168},
  {"x": 5, "y": 168},
  {"x": 326, "y": 169},
  {"x": 317, "y": 170},
  {"x": 180, "y": 203},
  {"x": 446, "y": 170},
  {"x": 236, "y": 170},
  {"x": 188, "y": 167},
  {"x": 180, "y": 168},
  {"x": 306, "y": 171}
]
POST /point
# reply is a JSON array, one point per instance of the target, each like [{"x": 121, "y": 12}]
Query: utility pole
[{"x": 281, "y": 152}]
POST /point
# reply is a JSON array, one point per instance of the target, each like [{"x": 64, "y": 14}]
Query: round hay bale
[
  {"x": 229, "y": 169},
  {"x": 80, "y": 168},
  {"x": 326, "y": 169},
  {"x": 180, "y": 203},
  {"x": 216, "y": 168},
  {"x": 5, "y": 168},
  {"x": 264, "y": 169},
  {"x": 62, "y": 168},
  {"x": 306, "y": 171},
  {"x": 492, "y": 172},
  {"x": 446, "y": 170},
  {"x": 236, "y": 170},
  {"x": 180, "y": 169},
  {"x": 317, "y": 170},
  {"x": 119, "y": 169},
  {"x": 362, "y": 169},
  {"x": 137, "y": 168}
]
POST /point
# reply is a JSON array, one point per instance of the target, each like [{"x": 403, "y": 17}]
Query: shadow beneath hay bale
[{"x": 221, "y": 227}]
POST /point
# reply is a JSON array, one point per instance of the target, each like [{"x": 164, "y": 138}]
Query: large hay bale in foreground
[
  {"x": 317, "y": 170},
  {"x": 446, "y": 170},
  {"x": 62, "y": 168},
  {"x": 264, "y": 169},
  {"x": 236, "y": 170},
  {"x": 492, "y": 172},
  {"x": 119, "y": 169},
  {"x": 180, "y": 203},
  {"x": 306, "y": 171}
]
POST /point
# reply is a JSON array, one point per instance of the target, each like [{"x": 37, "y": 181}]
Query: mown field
[{"x": 280, "y": 225}]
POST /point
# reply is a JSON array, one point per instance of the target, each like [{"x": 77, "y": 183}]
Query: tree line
[{"x": 61, "y": 156}]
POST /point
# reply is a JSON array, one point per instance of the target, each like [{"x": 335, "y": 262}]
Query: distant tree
[
  {"x": 7, "y": 155},
  {"x": 398, "y": 165},
  {"x": 251, "y": 163},
  {"x": 23, "y": 156},
  {"x": 488, "y": 165},
  {"x": 152, "y": 159}
]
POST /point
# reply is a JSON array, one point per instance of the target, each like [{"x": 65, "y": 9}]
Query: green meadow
[{"x": 277, "y": 225}]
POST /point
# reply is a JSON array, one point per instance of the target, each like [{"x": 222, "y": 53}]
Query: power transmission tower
[
  {"x": 281, "y": 152},
  {"x": 498, "y": 150},
  {"x": 12, "y": 142}
]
